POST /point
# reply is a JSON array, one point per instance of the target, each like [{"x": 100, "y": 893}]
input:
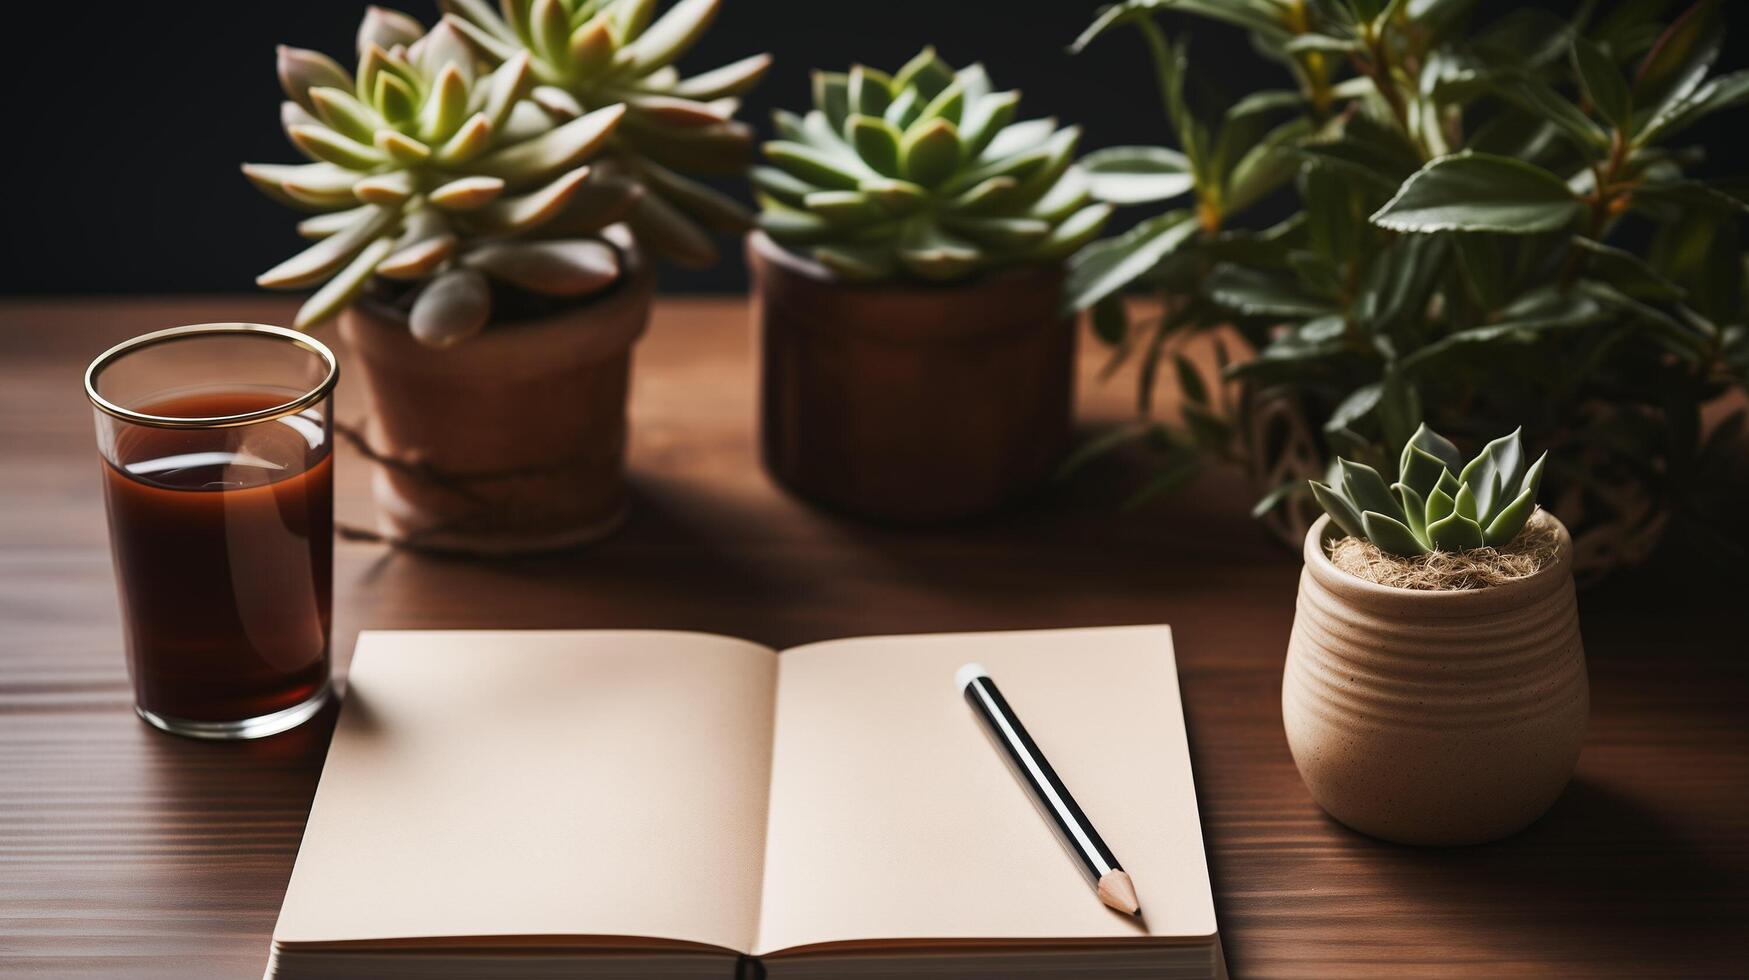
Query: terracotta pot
[
  {"x": 910, "y": 403},
  {"x": 512, "y": 441},
  {"x": 1434, "y": 717}
]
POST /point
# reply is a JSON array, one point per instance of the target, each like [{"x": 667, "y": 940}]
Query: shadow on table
[
  {"x": 1602, "y": 870},
  {"x": 741, "y": 556}
]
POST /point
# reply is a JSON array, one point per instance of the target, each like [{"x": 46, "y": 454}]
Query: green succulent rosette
[
  {"x": 923, "y": 173},
  {"x": 1429, "y": 509},
  {"x": 427, "y": 169},
  {"x": 588, "y": 54}
]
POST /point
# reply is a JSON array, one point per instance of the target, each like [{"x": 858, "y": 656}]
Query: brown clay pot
[
  {"x": 910, "y": 403},
  {"x": 1434, "y": 717},
  {"x": 512, "y": 441}
]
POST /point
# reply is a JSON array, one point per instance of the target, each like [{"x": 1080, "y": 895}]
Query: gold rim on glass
[{"x": 296, "y": 405}]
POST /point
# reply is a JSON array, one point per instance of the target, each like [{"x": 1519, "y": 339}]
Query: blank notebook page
[
  {"x": 893, "y": 817},
  {"x": 541, "y": 784}
]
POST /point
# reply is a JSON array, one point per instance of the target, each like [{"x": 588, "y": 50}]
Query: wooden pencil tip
[{"x": 1118, "y": 891}]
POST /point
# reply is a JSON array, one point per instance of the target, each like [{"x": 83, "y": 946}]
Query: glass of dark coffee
[{"x": 216, "y": 442}]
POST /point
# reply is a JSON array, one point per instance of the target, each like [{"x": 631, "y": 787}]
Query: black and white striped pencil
[{"x": 1109, "y": 881}]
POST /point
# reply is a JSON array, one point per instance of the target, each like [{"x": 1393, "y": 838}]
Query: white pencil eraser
[{"x": 967, "y": 674}]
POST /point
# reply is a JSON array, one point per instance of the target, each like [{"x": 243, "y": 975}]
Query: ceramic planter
[
  {"x": 1434, "y": 717},
  {"x": 910, "y": 403},
  {"x": 512, "y": 441}
]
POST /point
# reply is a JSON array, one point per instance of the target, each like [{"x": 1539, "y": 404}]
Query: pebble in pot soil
[{"x": 1533, "y": 550}]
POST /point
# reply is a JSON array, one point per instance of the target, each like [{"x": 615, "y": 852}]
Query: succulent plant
[
  {"x": 588, "y": 54},
  {"x": 428, "y": 170},
  {"x": 923, "y": 172},
  {"x": 1429, "y": 509}
]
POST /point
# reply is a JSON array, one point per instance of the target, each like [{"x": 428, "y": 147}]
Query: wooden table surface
[{"x": 128, "y": 853}]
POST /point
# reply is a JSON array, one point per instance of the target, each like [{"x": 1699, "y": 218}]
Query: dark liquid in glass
[{"x": 224, "y": 545}]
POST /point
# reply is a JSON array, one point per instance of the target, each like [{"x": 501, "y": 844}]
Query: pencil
[{"x": 1109, "y": 880}]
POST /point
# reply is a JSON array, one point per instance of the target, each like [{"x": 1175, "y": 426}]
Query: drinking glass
[{"x": 217, "y": 471}]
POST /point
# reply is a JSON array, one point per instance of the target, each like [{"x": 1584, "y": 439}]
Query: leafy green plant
[
  {"x": 428, "y": 171},
  {"x": 1428, "y": 509},
  {"x": 589, "y": 54},
  {"x": 1494, "y": 224},
  {"x": 923, "y": 172}
]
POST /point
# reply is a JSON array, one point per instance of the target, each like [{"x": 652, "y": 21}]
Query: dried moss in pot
[{"x": 1534, "y": 549}]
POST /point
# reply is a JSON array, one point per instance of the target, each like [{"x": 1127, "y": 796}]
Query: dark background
[{"x": 127, "y": 120}]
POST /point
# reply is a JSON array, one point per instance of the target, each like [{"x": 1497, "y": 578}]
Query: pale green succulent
[
  {"x": 586, "y": 54},
  {"x": 923, "y": 172},
  {"x": 1429, "y": 509},
  {"x": 430, "y": 170}
]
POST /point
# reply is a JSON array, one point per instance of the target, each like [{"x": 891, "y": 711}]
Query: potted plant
[
  {"x": 1435, "y": 688},
  {"x": 483, "y": 273},
  {"x": 1489, "y": 224},
  {"x": 908, "y": 278}
]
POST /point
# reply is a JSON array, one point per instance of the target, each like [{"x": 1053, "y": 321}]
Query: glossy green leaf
[
  {"x": 841, "y": 207},
  {"x": 325, "y": 144},
  {"x": 330, "y": 254},
  {"x": 670, "y": 36},
  {"x": 1252, "y": 292},
  {"x": 868, "y": 91},
  {"x": 1000, "y": 234},
  {"x": 557, "y": 150},
  {"x": 1719, "y": 94},
  {"x": 1414, "y": 509},
  {"x": 876, "y": 141},
  {"x": 1108, "y": 266},
  {"x": 1511, "y": 519},
  {"x": 1440, "y": 505},
  {"x": 1455, "y": 533},
  {"x": 929, "y": 152},
  {"x": 1074, "y": 232},
  {"x": 820, "y": 169},
  {"x": 1689, "y": 45},
  {"x": 1367, "y": 489},
  {"x": 735, "y": 78},
  {"x": 1391, "y": 535},
  {"x": 345, "y": 285},
  {"x": 926, "y": 73},
  {"x": 1137, "y": 174},
  {"x": 1479, "y": 192},
  {"x": 1341, "y": 512},
  {"x": 832, "y": 97},
  {"x": 947, "y": 104},
  {"x": 896, "y": 196},
  {"x": 301, "y": 70},
  {"x": 984, "y": 118},
  {"x": 1466, "y": 501},
  {"x": 1433, "y": 444},
  {"x": 1420, "y": 470}
]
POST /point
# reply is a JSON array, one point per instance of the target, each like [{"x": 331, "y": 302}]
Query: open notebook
[{"x": 657, "y": 804}]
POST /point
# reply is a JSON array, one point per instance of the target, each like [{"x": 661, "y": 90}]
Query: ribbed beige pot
[
  {"x": 510, "y": 442},
  {"x": 1434, "y": 717}
]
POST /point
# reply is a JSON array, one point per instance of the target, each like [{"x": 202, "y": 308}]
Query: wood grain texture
[{"x": 127, "y": 853}]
